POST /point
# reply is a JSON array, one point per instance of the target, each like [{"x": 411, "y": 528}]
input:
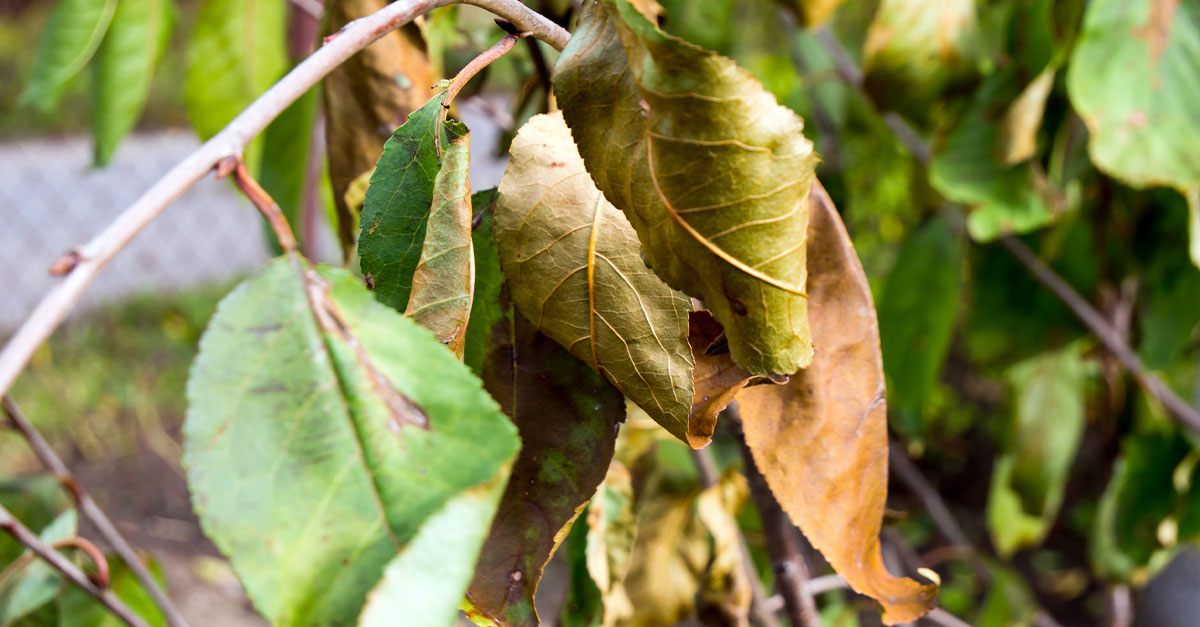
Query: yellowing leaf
[
  {"x": 575, "y": 270},
  {"x": 444, "y": 281},
  {"x": 813, "y": 13},
  {"x": 669, "y": 559},
  {"x": 710, "y": 170},
  {"x": 612, "y": 529},
  {"x": 366, "y": 98},
  {"x": 821, "y": 440},
  {"x": 726, "y": 583},
  {"x": 1018, "y": 129}
]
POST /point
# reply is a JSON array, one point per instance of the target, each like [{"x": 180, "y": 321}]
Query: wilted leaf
[
  {"x": 821, "y": 440},
  {"x": 574, "y": 267},
  {"x": 917, "y": 318},
  {"x": 1135, "y": 79},
  {"x": 69, "y": 40},
  {"x": 567, "y": 416},
  {"x": 716, "y": 379},
  {"x": 1030, "y": 477},
  {"x": 444, "y": 281},
  {"x": 611, "y": 533},
  {"x": 366, "y": 98},
  {"x": 1021, "y": 121},
  {"x": 125, "y": 62},
  {"x": 966, "y": 169},
  {"x": 397, "y": 204},
  {"x": 310, "y": 446},
  {"x": 669, "y": 559},
  {"x": 726, "y": 585},
  {"x": 236, "y": 52},
  {"x": 915, "y": 49},
  {"x": 711, "y": 171},
  {"x": 36, "y": 583}
]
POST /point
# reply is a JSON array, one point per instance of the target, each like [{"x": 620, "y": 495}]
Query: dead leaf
[
  {"x": 443, "y": 283},
  {"x": 821, "y": 440},
  {"x": 365, "y": 99},
  {"x": 726, "y": 587},
  {"x": 574, "y": 267},
  {"x": 669, "y": 559},
  {"x": 716, "y": 378}
]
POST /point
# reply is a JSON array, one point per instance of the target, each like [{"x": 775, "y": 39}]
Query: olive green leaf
[
  {"x": 125, "y": 62},
  {"x": 236, "y": 52},
  {"x": 68, "y": 42},
  {"x": 365, "y": 99},
  {"x": 574, "y": 268},
  {"x": 567, "y": 416},
  {"x": 283, "y": 172},
  {"x": 316, "y": 419},
  {"x": 486, "y": 308},
  {"x": 396, "y": 208},
  {"x": 35, "y": 583},
  {"x": 710, "y": 170},
  {"x": 916, "y": 49},
  {"x": 1030, "y": 478},
  {"x": 444, "y": 280},
  {"x": 917, "y": 318},
  {"x": 1135, "y": 80}
]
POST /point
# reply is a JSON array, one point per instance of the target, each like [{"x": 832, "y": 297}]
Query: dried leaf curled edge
[{"x": 821, "y": 440}]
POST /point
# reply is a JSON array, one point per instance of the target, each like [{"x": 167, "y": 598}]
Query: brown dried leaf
[
  {"x": 366, "y": 98},
  {"x": 568, "y": 417},
  {"x": 574, "y": 267},
  {"x": 821, "y": 440},
  {"x": 716, "y": 378}
]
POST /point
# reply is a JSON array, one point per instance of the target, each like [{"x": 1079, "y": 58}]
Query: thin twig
[
  {"x": 85, "y": 263},
  {"x": 92, "y": 512},
  {"x": 709, "y": 476},
  {"x": 1179, "y": 409},
  {"x": 1104, "y": 331},
  {"x": 29, "y": 539},
  {"x": 783, "y": 539}
]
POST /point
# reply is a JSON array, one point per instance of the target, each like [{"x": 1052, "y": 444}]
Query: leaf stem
[
  {"x": 92, "y": 512},
  {"x": 106, "y": 597}
]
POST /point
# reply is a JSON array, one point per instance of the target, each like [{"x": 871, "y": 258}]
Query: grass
[{"x": 112, "y": 379}]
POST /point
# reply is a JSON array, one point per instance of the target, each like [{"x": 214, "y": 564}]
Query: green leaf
[
  {"x": 967, "y": 168},
  {"x": 316, "y": 452},
  {"x": 486, "y": 308},
  {"x": 1150, "y": 507},
  {"x": 444, "y": 280},
  {"x": 710, "y": 170},
  {"x": 423, "y": 585},
  {"x": 568, "y": 417},
  {"x": 1135, "y": 80},
  {"x": 36, "y": 583},
  {"x": 237, "y": 51},
  {"x": 574, "y": 268},
  {"x": 916, "y": 49},
  {"x": 68, "y": 42},
  {"x": 917, "y": 316},
  {"x": 1030, "y": 477},
  {"x": 396, "y": 208},
  {"x": 78, "y": 609},
  {"x": 286, "y": 146},
  {"x": 124, "y": 67}
]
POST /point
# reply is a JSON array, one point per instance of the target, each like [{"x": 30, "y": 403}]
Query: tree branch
[
  {"x": 83, "y": 264},
  {"x": 1179, "y": 409},
  {"x": 92, "y": 512},
  {"x": 22, "y": 534}
]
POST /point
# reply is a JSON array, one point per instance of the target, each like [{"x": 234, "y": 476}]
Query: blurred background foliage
[{"x": 944, "y": 128}]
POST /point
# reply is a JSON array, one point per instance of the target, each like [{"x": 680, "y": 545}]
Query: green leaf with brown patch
[
  {"x": 710, "y": 170},
  {"x": 574, "y": 268}
]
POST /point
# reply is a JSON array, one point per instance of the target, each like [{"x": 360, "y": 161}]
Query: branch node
[
  {"x": 226, "y": 166},
  {"x": 66, "y": 263}
]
